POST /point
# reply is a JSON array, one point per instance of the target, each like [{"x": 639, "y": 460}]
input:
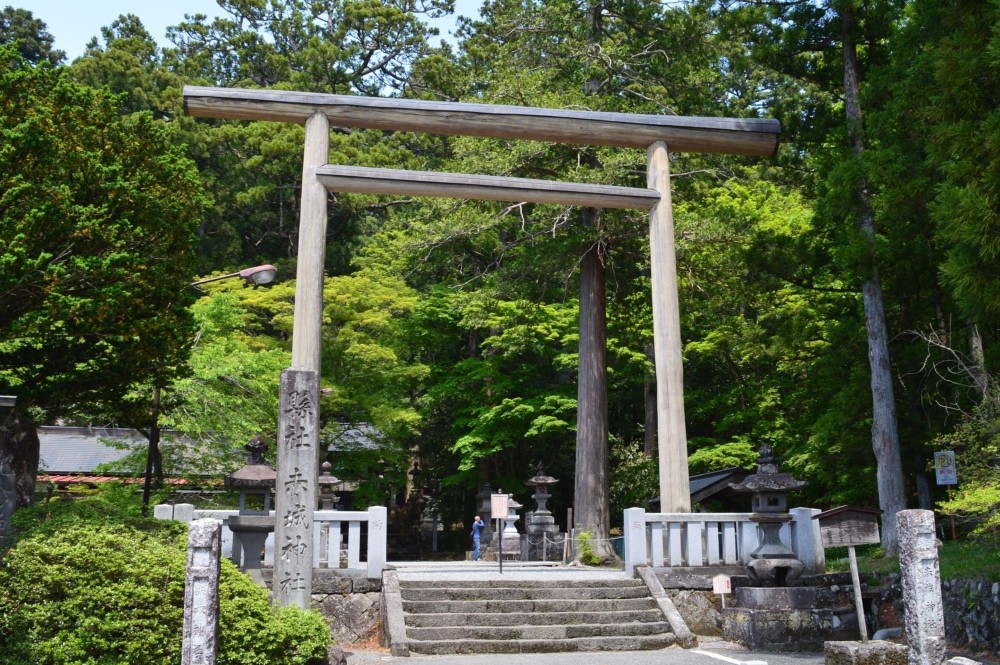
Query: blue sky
[{"x": 73, "y": 22}]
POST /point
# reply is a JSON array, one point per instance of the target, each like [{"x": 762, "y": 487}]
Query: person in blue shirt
[{"x": 477, "y": 530}]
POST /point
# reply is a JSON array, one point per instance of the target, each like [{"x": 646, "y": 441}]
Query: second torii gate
[{"x": 298, "y": 447}]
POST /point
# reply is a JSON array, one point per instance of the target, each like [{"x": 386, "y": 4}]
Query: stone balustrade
[
  {"x": 337, "y": 536},
  {"x": 707, "y": 540}
]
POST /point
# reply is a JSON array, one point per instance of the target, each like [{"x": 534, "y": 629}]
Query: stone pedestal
[
  {"x": 777, "y": 619},
  {"x": 251, "y": 532},
  {"x": 544, "y": 540}
]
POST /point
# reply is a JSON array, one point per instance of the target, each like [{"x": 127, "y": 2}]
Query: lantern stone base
[
  {"x": 778, "y": 619},
  {"x": 777, "y": 629},
  {"x": 776, "y": 598},
  {"x": 250, "y": 533}
]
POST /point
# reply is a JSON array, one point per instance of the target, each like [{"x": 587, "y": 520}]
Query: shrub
[
  {"x": 94, "y": 591},
  {"x": 587, "y": 554}
]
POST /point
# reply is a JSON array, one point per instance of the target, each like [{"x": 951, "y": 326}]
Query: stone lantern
[
  {"x": 544, "y": 540},
  {"x": 772, "y": 564},
  {"x": 250, "y": 528},
  {"x": 326, "y": 481},
  {"x": 541, "y": 483},
  {"x": 511, "y": 538}
]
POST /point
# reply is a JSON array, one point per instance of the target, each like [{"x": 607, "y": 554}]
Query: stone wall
[
  {"x": 971, "y": 612},
  {"x": 350, "y": 605}
]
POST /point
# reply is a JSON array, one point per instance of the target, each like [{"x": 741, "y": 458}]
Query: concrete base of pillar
[{"x": 874, "y": 652}]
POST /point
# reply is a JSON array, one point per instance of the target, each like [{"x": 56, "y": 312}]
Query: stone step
[
  {"x": 467, "y": 646},
  {"x": 653, "y": 615},
  {"x": 488, "y": 605},
  {"x": 529, "y": 616},
  {"x": 535, "y": 632},
  {"x": 622, "y": 583},
  {"x": 524, "y": 593}
]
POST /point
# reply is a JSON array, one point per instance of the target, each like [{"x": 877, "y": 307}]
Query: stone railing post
[
  {"x": 184, "y": 512},
  {"x": 635, "y": 539},
  {"x": 201, "y": 593},
  {"x": 921, "y": 577},
  {"x": 806, "y": 543},
  {"x": 377, "y": 527}
]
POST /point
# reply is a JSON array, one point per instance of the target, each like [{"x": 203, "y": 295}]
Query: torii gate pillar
[{"x": 675, "y": 494}]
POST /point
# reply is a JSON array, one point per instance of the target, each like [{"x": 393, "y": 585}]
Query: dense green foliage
[
  {"x": 450, "y": 327},
  {"x": 97, "y": 214},
  {"x": 92, "y": 582}
]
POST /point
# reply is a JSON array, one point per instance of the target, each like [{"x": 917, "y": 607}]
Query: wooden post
[
  {"x": 675, "y": 496},
  {"x": 859, "y": 606},
  {"x": 312, "y": 245}
]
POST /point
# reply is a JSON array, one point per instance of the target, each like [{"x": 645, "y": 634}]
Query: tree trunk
[
  {"x": 154, "y": 460},
  {"x": 649, "y": 402},
  {"x": 979, "y": 375},
  {"x": 591, "y": 499},
  {"x": 885, "y": 436},
  {"x": 19, "y": 451}
]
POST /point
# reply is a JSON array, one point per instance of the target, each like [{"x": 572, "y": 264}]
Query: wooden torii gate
[{"x": 298, "y": 447}]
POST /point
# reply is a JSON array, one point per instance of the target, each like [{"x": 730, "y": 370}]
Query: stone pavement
[{"x": 710, "y": 651}]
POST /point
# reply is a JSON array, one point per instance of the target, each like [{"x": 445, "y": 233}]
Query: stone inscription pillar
[
  {"x": 201, "y": 593},
  {"x": 295, "y": 487},
  {"x": 921, "y": 576}
]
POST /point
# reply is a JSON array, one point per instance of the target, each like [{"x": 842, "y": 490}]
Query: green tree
[
  {"x": 29, "y": 35},
  {"x": 97, "y": 215},
  {"x": 830, "y": 45},
  {"x": 128, "y": 64},
  {"x": 253, "y": 169}
]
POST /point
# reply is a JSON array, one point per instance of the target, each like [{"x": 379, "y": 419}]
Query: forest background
[{"x": 451, "y": 326}]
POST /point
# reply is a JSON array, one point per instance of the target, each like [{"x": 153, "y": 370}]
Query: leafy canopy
[{"x": 98, "y": 215}]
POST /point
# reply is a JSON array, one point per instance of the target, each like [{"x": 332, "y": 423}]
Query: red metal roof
[{"x": 76, "y": 478}]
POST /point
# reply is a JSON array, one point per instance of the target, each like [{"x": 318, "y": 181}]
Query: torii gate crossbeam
[{"x": 298, "y": 453}]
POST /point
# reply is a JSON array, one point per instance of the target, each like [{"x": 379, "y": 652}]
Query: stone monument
[
  {"x": 295, "y": 491},
  {"x": 921, "y": 576},
  {"x": 200, "y": 640}
]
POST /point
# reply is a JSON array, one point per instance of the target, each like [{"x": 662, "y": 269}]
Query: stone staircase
[{"x": 527, "y": 616}]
